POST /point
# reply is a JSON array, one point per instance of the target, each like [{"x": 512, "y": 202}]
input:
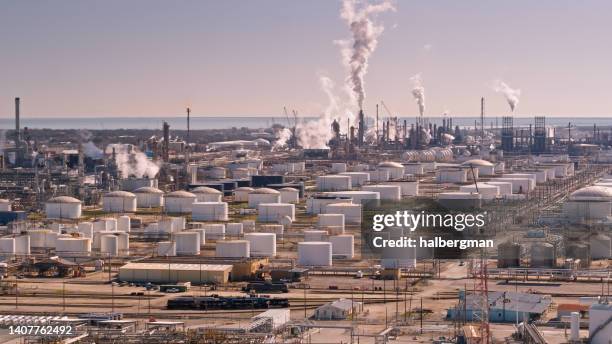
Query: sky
[{"x": 247, "y": 58}]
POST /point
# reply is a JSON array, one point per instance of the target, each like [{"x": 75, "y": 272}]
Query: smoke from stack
[
  {"x": 92, "y": 151},
  {"x": 418, "y": 92},
  {"x": 132, "y": 162},
  {"x": 282, "y": 137},
  {"x": 512, "y": 95},
  {"x": 365, "y": 35},
  {"x": 316, "y": 133}
]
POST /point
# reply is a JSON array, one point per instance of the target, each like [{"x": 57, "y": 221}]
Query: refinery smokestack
[{"x": 17, "y": 126}]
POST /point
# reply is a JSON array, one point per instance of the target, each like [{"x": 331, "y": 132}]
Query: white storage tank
[
  {"x": 505, "y": 188},
  {"x": 72, "y": 247},
  {"x": 86, "y": 229},
  {"x": 358, "y": 196},
  {"x": 387, "y": 192},
  {"x": 109, "y": 245},
  {"x": 149, "y": 197},
  {"x": 119, "y": 202},
  {"x": 111, "y": 224},
  {"x": 519, "y": 185},
  {"x": 289, "y": 195},
  {"x": 315, "y": 253},
  {"x": 485, "y": 168},
  {"x": 124, "y": 223},
  {"x": 274, "y": 212},
  {"x": 379, "y": 176},
  {"x": 453, "y": 175},
  {"x": 263, "y": 195},
  {"x": 5, "y": 205},
  {"x": 460, "y": 200},
  {"x": 395, "y": 169},
  {"x": 542, "y": 255},
  {"x": 326, "y": 220},
  {"x": 414, "y": 169},
  {"x": 262, "y": 244},
  {"x": 343, "y": 246},
  {"x": 407, "y": 188},
  {"x": 317, "y": 203},
  {"x": 210, "y": 211},
  {"x": 42, "y": 238},
  {"x": 22, "y": 245},
  {"x": 315, "y": 235},
  {"x": 338, "y": 167},
  {"x": 7, "y": 246},
  {"x": 214, "y": 231},
  {"x": 601, "y": 247},
  {"x": 187, "y": 243},
  {"x": 351, "y": 212},
  {"x": 166, "y": 248},
  {"x": 487, "y": 191},
  {"x": 532, "y": 176},
  {"x": 333, "y": 183},
  {"x": 589, "y": 203},
  {"x": 241, "y": 194},
  {"x": 179, "y": 202},
  {"x": 63, "y": 207},
  {"x": 207, "y": 194},
  {"x": 233, "y": 249},
  {"x": 234, "y": 228},
  {"x": 357, "y": 178}
]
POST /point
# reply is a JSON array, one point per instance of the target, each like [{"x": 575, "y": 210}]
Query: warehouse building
[
  {"x": 174, "y": 273},
  {"x": 503, "y": 307}
]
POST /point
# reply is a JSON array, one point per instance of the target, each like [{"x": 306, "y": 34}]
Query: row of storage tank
[{"x": 544, "y": 254}]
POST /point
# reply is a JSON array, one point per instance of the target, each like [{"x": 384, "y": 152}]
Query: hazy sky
[{"x": 224, "y": 57}]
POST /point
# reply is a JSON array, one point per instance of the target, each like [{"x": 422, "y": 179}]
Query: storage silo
[
  {"x": 166, "y": 248},
  {"x": 357, "y": 178},
  {"x": 63, "y": 207},
  {"x": 149, "y": 197},
  {"x": 234, "y": 228},
  {"x": 601, "y": 246},
  {"x": 119, "y": 202},
  {"x": 509, "y": 255},
  {"x": 387, "y": 192},
  {"x": 352, "y": 212},
  {"x": 289, "y": 195},
  {"x": 263, "y": 195},
  {"x": 233, "y": 249},
  {"x": 262, "y": 244},
  {"x": 542, "y": 255},
  {"x": 395, "y": 169},
  {"x": 187, "y": 243},
  {"x": 109, "y": 245},
  {"x": 343, "y": 246},
  {"x": 315, "y": 235},
  {"x": 241, "y": 194},
  {"x": 179, "y": 202},
  {"x": 207, "y": 194},
  {"x": 209, "y": 211},
  {"x": 273, "y": 212},
  {"x": 315, "y": 253},
  {"x": 333, "y": 183}
]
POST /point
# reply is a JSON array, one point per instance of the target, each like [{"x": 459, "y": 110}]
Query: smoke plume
[
  {"x": 282, "y": 137},
  {"x": 512, "y": 95},
  {"x": 418, "y": 92},
  {"x": 131, "y": 162},
  {"x": 92, "y": 151},
  {"x": 365, "y": 35},
  {"x": 315, "y": 134}
]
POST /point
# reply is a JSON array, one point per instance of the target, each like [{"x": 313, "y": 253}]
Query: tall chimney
[
  {"x": 482, "y": 114},
  {"x": 17, "y": 126},
  {"x": 188, "y": 129}
]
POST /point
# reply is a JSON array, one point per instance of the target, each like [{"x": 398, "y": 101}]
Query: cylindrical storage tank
[
  {"x": 343, "y": 246},
  {"x": 459, "y": 200},
  {"x": 234, "y": 228},
  {"x": 505, "y": 188},
  {"x": 289, "y": 195},
  {"x": 109, "y": 245},
  {"x": 387, "y": 192},
  {"x": 338, "y": 167},
  {"x": 395, "y": 169},
  {"x": 119, "y": 202},
  {"x": 333, "y": 183},
  {"x": 509, "y": 255},
  {"x": 317, "y": 204},
  {"x": 542, "y": 255},
  {"x": 22, "y": 245},
  {"x": 351, "y": 212},
  {"x": 7, "y": 245},
  {"x": 263, "y": 195},
  {"x": 357, "y": 178},
  {"x": 414, "y": 169},
  {"x": 273, "y": 212},
  {"x": 42, "y": 238},
  {"x": 359, "y": 196},
  {"x": 111, "y": 224},
  {"x": 601, "y": 247},
  {"x": 233, "y": 249},
  {"x": 179, "y": 202},
  {"x": 487, "y": 191},
  {"x": 379, "y": 176},
  {"x": 325, "y": 220},
  {"x": 123, "y": 239},
  {"x": 63, "y": 207},
  {"x": 149, "y": 197},
  {"x": 315, "y": 253},
  {"x": 86, "y": 229},
  {"x": 209, "y": 211},
  {"x": 485, "y": 168},
  {"x": 187, "y": 243},
  {"x": 262, "y": 244},
  {"x": 124, "y": 223},
  {"x": 166, "y": 248},
  {"x": 407, "y": 188},
  {"x": 5, "y": 205},
  {"x": 207, "y": 194},
  {"x": 519, "y": 185},
  {"x": 315, "y": 235},
  {"x": 214, "y": 231},
  {"x": 72, "y": 247},
  {"x": 100, "y": 225},
  {"x": 241, "y": 194}
]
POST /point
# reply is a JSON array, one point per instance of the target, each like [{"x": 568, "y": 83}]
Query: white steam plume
[
  {"x": 418, "y": 92},
  {"x": 315, "y": 134},
  {"x": 512, "y": 95},
  {"x": 282, "y": 136},
  {"x": 365, "y": 35},
  {"x": 92, "y": 151},
  {"x": 132, "y": 162}
]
